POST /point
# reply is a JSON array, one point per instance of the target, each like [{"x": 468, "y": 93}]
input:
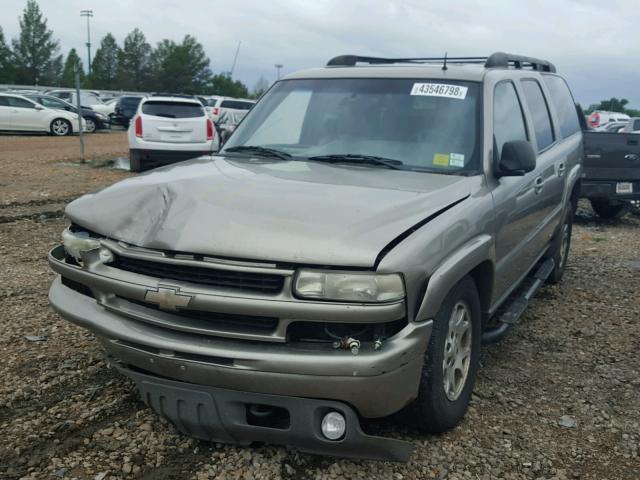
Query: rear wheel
[
  {"x": 451, "y": 361},
  {"x": 608, "y": 210},
  {"x": 135, "y": 161},
  {"x": 60, "y": 127},
  {"x": 90, "y": 125},
  {"x": 560, "y": 247}
]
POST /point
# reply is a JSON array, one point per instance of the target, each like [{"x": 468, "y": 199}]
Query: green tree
[
  {"x": 7, "y": 72},
  {"x": 72, "y": 64},
  {"x": 105, "y": 66},
  {"x": 135, "y": 62},
  {"x": 180, "y": 68},
  {"x": 35, "y": 50},
  {"x": 612, "y": 105},
  {"x": 222, "y": 84}
]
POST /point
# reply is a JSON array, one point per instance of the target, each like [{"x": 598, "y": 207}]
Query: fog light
[
  {"x": 105, "y": 255},
  {"x": 334, "y": 425}
]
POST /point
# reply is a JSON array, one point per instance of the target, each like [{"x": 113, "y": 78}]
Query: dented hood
[{"x": 272, "y": 210}]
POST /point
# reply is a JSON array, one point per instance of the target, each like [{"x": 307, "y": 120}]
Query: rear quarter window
[
  {"x": 636, "y": 125},
  {"x": 564, "y": 105},
  {"x": 160, "y": 108}
]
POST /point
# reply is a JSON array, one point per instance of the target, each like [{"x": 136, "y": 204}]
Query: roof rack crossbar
[
  {"x": 495, "y": 60},
  {"x": 505, "y": 60},
  {"x": 352, "y": 60}
]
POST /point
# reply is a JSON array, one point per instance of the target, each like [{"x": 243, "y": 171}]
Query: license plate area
[{"x": 624, "y": 187}]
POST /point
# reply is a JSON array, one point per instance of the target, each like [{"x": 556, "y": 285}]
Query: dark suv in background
[{"x": 125, "y": 109}]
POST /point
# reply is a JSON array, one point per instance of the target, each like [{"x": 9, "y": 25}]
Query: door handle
[
  {"x": 632, "y": 142},
  {"x": 561, "y": 169},
  {"x": 538, "y": 185},
  {"x": 631, "y": 156}
]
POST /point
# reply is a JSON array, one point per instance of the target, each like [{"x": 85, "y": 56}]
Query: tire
[
  {"x": 560, "y": 247},
  {"x": 608, "y": 211},
  {"x": 135, "y": 161},
  {"x": 441, "y": 405},
  {"x": 60, "y": 127},
  {"x": 91, "y": 125}
]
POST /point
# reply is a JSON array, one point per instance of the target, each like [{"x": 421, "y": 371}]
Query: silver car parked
[{"x": 364, "y": 229}]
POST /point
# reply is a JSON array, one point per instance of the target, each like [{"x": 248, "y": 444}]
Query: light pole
[
  {"x": 278, "y": 67},
  {"x": 88, "y": 14}
]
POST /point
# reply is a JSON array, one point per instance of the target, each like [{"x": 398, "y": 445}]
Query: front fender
[{"x": 476, "y": 251}]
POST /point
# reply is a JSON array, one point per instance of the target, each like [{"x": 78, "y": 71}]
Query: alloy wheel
[{"x": 457, "y": 351}]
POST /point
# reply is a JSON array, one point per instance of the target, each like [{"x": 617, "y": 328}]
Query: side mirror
[
  {"x": 517, "y": 158},
  {"x": 39, "y": 107}
]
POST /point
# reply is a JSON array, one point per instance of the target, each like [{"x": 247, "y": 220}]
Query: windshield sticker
[
  {"x": 456, "y": 160},
  {"x": 439, "y": 90},
  {"x": 441, "y": 159}
]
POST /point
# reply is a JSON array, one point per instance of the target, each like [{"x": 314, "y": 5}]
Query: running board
[{"x": 513, "y": 314}]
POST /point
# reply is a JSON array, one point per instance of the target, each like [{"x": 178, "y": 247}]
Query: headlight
[
  {"x": 101, "y": 116},
  {"x": 349, "y": 287},
  {"x": 77, "y": 242}
]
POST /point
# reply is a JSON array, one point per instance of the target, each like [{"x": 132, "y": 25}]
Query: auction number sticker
[{"x": 439, "y": 90}]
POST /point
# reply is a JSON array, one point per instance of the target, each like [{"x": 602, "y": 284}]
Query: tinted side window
[
  {"x": 539, "y": 112},
  {"x": 20, "y": 103},
  {"x": 508, "y": 121},
  {"x": 564, "y": 104},
  {"x": 4, "y": 102},
  {"x": 636, "y": 125},
  {"x": 235, "y": 104}
]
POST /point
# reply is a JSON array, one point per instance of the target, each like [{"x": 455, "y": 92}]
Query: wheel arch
[{"x": 475, "y": 258}]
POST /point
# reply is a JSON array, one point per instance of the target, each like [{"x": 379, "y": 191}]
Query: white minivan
[
  {"x": 18, "y": 113},
  {"x": 168, "y": 129}
]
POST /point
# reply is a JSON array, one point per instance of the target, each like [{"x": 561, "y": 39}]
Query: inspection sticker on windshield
[
  {"x": 456, "y": 160},
  {"x": 439, "y": 90}
]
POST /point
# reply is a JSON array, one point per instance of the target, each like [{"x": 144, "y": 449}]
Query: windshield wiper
[
  {"x": 355, "y": 158},
  {"x": 258, "y": 150}
]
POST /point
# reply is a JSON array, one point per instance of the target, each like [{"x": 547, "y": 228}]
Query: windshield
[{"x": 425, "y": 124}]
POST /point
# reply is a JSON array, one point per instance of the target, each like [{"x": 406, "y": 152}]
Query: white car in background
[
  {"x": 217, "y": 106},
  {"x": 87, "y": 99},
  {"x": 18, "y": 113},
  {"x": 168, "y": 129}
]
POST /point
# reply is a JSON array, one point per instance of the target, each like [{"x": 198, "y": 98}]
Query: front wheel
[
  {"x": 607, "y": 210},
  {"x": 60, "y": 127},
  {"x": 451, "y": 361}
]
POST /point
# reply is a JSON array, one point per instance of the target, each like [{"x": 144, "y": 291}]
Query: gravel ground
[{"x": 558, "y": 398}]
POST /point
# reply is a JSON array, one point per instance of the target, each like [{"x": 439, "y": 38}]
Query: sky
[{"x": 595, "y": 44}]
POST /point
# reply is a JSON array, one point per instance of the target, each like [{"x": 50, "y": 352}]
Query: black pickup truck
[{"x": 611, "y": 171}]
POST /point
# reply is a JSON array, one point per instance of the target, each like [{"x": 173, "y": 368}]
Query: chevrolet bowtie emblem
[{"x": 168, "y": 298}]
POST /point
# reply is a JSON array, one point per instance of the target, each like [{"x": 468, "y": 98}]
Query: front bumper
[
  {"x": 222, "y": 415},
  {"x": 265, "y": 364}
]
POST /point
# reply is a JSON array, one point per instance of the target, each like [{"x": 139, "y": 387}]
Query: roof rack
[
  {"x": 352, "y": 60},
  {"x": 506, "y": 60},
  {"x": 495, "y": 60}
]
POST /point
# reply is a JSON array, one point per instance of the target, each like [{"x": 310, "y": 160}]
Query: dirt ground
[{"x": 558, "y": 398}]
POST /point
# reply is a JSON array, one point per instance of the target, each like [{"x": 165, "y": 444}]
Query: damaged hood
[{"x": 272, "y": 210}]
